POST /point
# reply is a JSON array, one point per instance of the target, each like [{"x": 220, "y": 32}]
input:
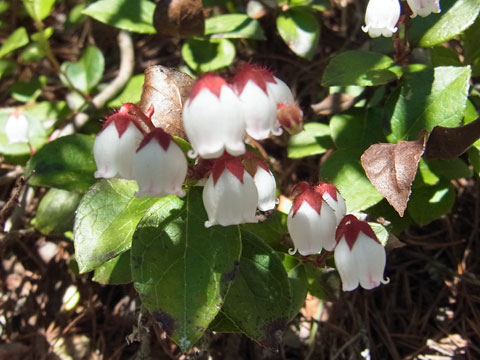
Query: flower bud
[
  {"x": 16, "y": 128},
  {"x": 333, "y": 198},
  {"x": 424, "y": 7},
  {"x": 359, "y": 256},
  {"x": 115, "y": 145},
  {"x": 213, "y": 119},
  {"x": 311, "y": 222},
  {"x": 159, "y": 166},
  {"x": 291, "y": 118},
  {"x": 259, "y": 108},
  {"x": 230, "y": 196},
  {"x": 381, "y": 17}
]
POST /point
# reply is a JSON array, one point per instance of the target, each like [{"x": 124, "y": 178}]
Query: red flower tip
[
  {"x": 350, "y": 227},
  {"x": 327, "y": 188},
  {"x": 230, "y": 163},
  {"x": 307, "y": 193},
  {"x": 260, "y": 76},
  {"x": 121, "y": 120},
  {"x": 209, "y": 81},
  {"x": 160, "y": 136}
]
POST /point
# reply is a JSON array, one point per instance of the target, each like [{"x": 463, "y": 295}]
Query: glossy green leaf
[
  {"x": 204, "y": 55},
  {"x": 259, "y": 301},
  {"x": 234, "y": 26},
  {"x": 450, "y": 169},
  {"x": 87, "y": 72},
  {"x": 474, "y": 159},
  {"x": 313, "y": 140},
  {"x": 131, "y": 93},
  {"x": 106, "y": 220},
  {"x": 429, "y": 98},
  {"x": 182, "y": 270},
  {"x": 6, "y": 67},
  {"x": 35, "y": 51},
  {"x": 299, "y": 28},
  {"x": 272, "y": 230},
  {"x": 397, "y": 224},
  {"x": 38, "y": 9},
  {"x": 65, "y": 163},
  {"x": 135, "y": 16},
  {"x": 222, "y": 324},
  {"x": 16, "y": 40},
  {"x": 56, "y": 211},
  {"x": 28, "y": 92},
  {"x": 115, "y": 271},
  {"x": 362, "y": 68},
  {"x": 429, "y": 203},
  {"x": 443, "y": 56},
  {"x": 298, "y": 282},
  {"x": 322, "y": 283},
  {"x": 471, "y": 50},
  {"x": 319, "y": 5},
  {"x": 455, "y": 17},
  {"x": 344, "y": 170}
]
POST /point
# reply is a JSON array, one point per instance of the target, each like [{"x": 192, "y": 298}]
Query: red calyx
[
  {"x": 258, "y": 75},
  {"x": 158, "y": 134},
  {"x": 230, "y": 163},
  {"x": 350, "y": 227},
  {"x": 121, "y": 120},
  {"x": 308, "y": 194},
  {"x": 258, "y": 161},
  {"x": 330, "y": 189},
  {"x": 208, "y": 81}
]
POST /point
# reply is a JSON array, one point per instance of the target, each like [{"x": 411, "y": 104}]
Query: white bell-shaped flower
[
  {"x": 17, "y": 127},
  {"x": 230, "y": 196},
  {"x": 424, "y": 7},
  {"x": 311, "y": 222},
  {"x": 381, "y": 17},
  {"x": 115, "y": 145},
  {"x": 213, "y": 119},
  {"x": 264, "y": 180},
  {"x": 359, "y": 256},
  {"x": 280, "y": 92},
  {"x": 333, "y": 198},
  {"x": 159, "y": 166},
  {"x": 260, "y": 109}
]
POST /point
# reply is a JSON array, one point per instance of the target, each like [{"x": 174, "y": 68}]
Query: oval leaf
[
  {"x": 431, "y": 202},
  {"x": 115, "y": 271},
  {"x": 209, "y": 54},
  {"x": 16, "y": 40},
  {"x": 313, "y": 140},
  {"x": 234, "y": 26},
  {"x": 38, "y": 9}
]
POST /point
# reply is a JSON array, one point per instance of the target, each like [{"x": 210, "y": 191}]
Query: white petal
[
  {"x": 370, "y": 258},
  {"x": 381, "y": 17},
  {"x": 260, "y": 111},
  {"x": 16, "y": 128},
  {"x": 280, "y": 92},
  {"x": 114, "y": 155},
  {"x": 346, "y": 265},
  {"x": 339, "y": 206},
  {"x": 229, "y": 202},
  {"x": 267, "y": 188},
  {"x": 214, "y": 124},
  {"x": 159, "y": 172},
  {"x": 424, "y": 7}
]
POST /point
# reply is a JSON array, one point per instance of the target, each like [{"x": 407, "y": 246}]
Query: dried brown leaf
[
  {"x": 391, "y": 168},
  {"x": 166, "y": 90},
  {"x": 179, "y": 18},
  {"x": 333, "y": 104}
]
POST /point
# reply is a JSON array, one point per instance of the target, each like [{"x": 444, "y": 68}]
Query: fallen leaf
[
  {"x": 166, "y": 90},
  {"x": 179, "y": 18},
  {"x": 391, "y": 168},
  {"x": 333, "y": 104},
  {"x": 445, "y": 143}
]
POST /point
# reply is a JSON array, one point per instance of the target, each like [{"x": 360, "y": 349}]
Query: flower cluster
[
  {"x": 382, "y": 16},
  {"x": 318, "y": 220}
]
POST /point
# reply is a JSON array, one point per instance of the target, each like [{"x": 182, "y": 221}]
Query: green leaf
[
  {"x": 362, "y": 68},
  {"x": 450, "y": 169},
  {"x": 56, "y": 211},
  {"x": 87, "y": 72},
  {"x": 357, "y": 128},
  {"x": 222, "y": 324},
  {"x": 38, "y": 9},
  {"x": 6, "y": 67},
  {"x": 344, "y": 170},
  {"x": 259, "y": 301},
  {"x": 384, "y": 210},
  {"x": 115, "y": 271},
  {"x": 182, "y": 270},
  {"x": 28, "y": 92},
  {"x": 298, "y": 282},
  {"x": 322, "y": 283},
  {"x": 106, "y": 220},
  {"x": 35, "y": 51},
  {"x": 234, "y": 26},
  {"x": 65, "y": 163},
  {"x": 135, "y": 16},
  {"x": 16, "y": 40},
  {"x": 131, "y": 93},
  {"x": 471, "y": 50},
  {"x": 204, "y": 55},
  {"x": 313, "y": 140},
  {"x": 319, "y": 5},
  {"x": 429, "y": 98},
  {"x": 429, "y": 203},
  {"x": 474, "y": 159},
  {"x": 272, "y": 230},
  {"x": 299, "y": 28},
  {"x": 455, "y": 17},
  {"x": 443, "y": 56}
]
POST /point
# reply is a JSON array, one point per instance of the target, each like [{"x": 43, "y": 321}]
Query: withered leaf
[
  {"x": 179, "y": 18},
  {"x": 391, "y": 168},
  {"x": 167, "y": 90},
  {"x": 445, "y": 143},
  {"x": 333, "y": 104}
]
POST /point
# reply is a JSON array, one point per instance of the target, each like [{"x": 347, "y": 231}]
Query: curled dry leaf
[
  {"x": 391, "y": 168},
  {"x": 444, "y": 143},
  {"x": 333, "y": 104},
  {"x": 179, "y": 18},
  {"x": 166, "y": 90}
]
